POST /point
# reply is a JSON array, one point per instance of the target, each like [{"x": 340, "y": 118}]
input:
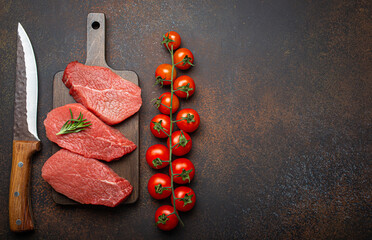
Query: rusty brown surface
[{"x": 284, "y": 93}]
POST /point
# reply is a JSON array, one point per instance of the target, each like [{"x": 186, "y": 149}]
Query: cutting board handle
[{"x": 96, "y": 40}]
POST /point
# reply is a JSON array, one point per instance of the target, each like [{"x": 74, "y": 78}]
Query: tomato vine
[
  {"x": 179, "y": 142},
  {"x": 170, "y": 134}
]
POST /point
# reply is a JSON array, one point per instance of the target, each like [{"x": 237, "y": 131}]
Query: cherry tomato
[
  {"x": 184, "y": 86},
  {"x": 156, "y": 186},
  {"x": 164, "y": 101},
  {"x": 172, "y": 35},
  {"x": 164, "y": 220},
  {"x": 188, "y": 198},
  {"x": 163, "y": 74},
  {"x": 156, "y": 154},
  {"x": 184, "y": 58},
  {"x": 183, "y": 142},
  {"x": 185, "y": 168},
  {"x": 191, "y": 120},
  {"x": 159, "y": 124}
]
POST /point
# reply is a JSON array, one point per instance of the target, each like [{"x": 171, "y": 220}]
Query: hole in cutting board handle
[{"x": 95, "y": 25}]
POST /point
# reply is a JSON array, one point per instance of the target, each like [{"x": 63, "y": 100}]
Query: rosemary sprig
[{"x": 74, "y": 125}]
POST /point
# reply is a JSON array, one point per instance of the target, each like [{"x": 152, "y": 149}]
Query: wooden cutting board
[{"x": 128, "y": 165}]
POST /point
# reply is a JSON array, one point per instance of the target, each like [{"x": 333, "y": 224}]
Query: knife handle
[{"x": 20, "y": 214}]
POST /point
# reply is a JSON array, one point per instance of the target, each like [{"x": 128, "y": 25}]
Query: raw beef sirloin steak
[
  {"x": 99, "y": 141},
  {"x": 102, "y": 91},
  {"x": 85, "y": 180}
]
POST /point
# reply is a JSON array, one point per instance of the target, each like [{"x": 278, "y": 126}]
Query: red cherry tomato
[
  {"x": 156, "y": 186},
  {"x": 184, "y": 86},
  {"x": 185, "y": 168},
  {"x": 191, "y": 120},
  {"x": 164, "y": 101},
  {"x": 160, "y": 125},
  {"x": 188, "y": 198},
  {"x": 164, "y": 220},
  {"x": 156, "y": 154},
  {"x": 184, "y": 58},
  {"x": 163, "y": 74},
  {"x": 172, "y": 35},
  {"x": 183, "y": 142}
]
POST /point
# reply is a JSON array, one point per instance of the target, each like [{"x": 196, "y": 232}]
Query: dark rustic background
[{"x": 284, "y": 93}]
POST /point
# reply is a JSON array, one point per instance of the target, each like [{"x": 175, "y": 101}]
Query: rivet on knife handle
[{"x": 20, "y": 212}]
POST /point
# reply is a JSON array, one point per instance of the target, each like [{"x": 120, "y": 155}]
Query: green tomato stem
[
  {"x": 170, "y": 214},
  {"x": 175, "y": 145},
  {"x": 165, "y": 105},
  {"x": 183, "y": 118},
  {"x": 165, "y": 132}
]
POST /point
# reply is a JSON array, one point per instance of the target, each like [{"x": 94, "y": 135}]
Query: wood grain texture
[
  {"x": 128, "y": 166},
  {"x": 20, "y": 212}
]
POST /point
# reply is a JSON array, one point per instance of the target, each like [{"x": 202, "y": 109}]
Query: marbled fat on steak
[
  {"x": 100, "y": 141},
  {"x": 102, "y": 91},
  {"x": 85, "y": 180}
]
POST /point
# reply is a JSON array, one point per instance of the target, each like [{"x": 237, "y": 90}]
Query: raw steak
[
  {"x": 100, "y": 141},
  {"x": 85, "y": 180},
  {"x": 102, "y": 91}
]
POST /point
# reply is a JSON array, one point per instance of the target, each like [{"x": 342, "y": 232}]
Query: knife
[{"x": 25, "y": 139}]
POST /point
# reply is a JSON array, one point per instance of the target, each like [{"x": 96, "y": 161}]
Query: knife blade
[{"x": 25, "y": 139}]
